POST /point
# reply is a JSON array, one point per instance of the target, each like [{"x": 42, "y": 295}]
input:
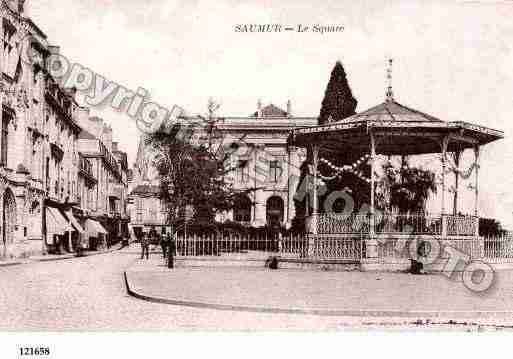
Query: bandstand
[{"x": 390, "y": 129}]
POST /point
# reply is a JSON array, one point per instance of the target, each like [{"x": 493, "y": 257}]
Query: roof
[
  {"x": 400, "y": 129},
  {"x": 391, "y": 111},
  {"x": 146, "y": 190},
  {"x": 271, "y": 111}
]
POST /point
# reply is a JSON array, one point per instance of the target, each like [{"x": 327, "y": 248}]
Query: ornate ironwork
[
  {"x": 331, "y": 223},
  {"x": 461, "y": 225},
  {"x": 336, "y": 248}
]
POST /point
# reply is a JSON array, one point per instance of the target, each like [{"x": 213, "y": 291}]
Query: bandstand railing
[
  {"x": 400, "y": 224},
  {"x": 462, "y": 225},
  {"x": 406, "y": 224},
  {"x": 334, "y": 223}
]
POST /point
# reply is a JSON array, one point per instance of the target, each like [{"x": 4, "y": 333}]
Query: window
[
  {"x": 242, "y": 209},
  {"x": 5, "y": 138},
  {"x": 243, "y": 171},
  {"x": 274, "y": 171}
]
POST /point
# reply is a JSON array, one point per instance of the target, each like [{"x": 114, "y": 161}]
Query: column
[
  {"x": 476, "y": 188},
  {"x": 315, "y": 199},
  {"x": 370, "y": 262},
  {"x": 372, "y": 229},
  {"x": 457, "y": 158},
  {"x": 371, "y": 244},
  {"x": 294, "y": 175},
  {"x": 312, "y": 224},
  {"x": 445, "y": 142}
]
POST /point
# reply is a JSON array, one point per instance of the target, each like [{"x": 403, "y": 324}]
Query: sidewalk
[
  {"x": 361, "y": 294},
  {"x": 56, "y": 257}
]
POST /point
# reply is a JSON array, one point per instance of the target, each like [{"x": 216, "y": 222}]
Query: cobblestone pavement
[{"x": 89, "y": 294}]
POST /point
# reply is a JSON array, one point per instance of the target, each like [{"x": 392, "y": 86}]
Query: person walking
[
  {"x": 171, "y": 250},
  {"x": 164, "y": 244},
  {"x": 145, "y": 246}
]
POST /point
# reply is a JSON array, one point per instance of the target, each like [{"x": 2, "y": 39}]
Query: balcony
[
  {"x": 61, "y": 102},
  {"x": 57, "y": 150},
  {"x": 86, "y": 170}
]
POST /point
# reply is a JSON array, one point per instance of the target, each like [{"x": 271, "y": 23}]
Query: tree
[
  {"x": 338, "y": 102},
  {"x": 191, "y": 173},
  {"x": 405, "y": 189},
  {"x": 490, "y": 227}
]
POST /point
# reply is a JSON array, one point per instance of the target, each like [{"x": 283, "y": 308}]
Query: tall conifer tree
[{"x": 338, "y": 102}]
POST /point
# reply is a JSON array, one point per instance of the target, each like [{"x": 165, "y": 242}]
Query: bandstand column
[
  {"x": 315, "y": 199},
  {"x": 372, "y": 229},
  {"x": 371, "y": 260},
  {"x": 313, "y": 219},
  {"x": 445, "y": 143},
  {"x": 476, "y": 188},
  {"x": 457, "y": 159}
]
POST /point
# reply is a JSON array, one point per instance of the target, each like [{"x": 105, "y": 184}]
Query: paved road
[{"x": 89, "y": 294}]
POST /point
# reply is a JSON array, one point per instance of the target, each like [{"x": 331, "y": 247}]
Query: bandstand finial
[{"x": 389, "y": 93}]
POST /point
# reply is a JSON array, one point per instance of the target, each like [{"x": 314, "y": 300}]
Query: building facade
[
  {"x": 265, "y": 170},
  {"x": 24, "y": 137},
  {"x": 146, "y": 210},
  {"x": 108, "y": 165},
  {"x": 47, "y": 187}
]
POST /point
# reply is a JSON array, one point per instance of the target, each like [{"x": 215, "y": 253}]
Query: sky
[{"x": 452, "y": 59}]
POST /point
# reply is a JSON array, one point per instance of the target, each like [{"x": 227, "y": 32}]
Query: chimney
[
  {"x": 289, "y": 108},
  {"x": 114, "y": 146},
  {"x": 259, "y": 108},
  {"x": 107, "y": 136},
  {"x": 83, "y": 116},
  {"x": 95, "y": 126}
]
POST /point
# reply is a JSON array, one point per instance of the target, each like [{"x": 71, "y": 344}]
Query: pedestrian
[
  {"x": 145, "y": 246},
  {"x": 164, "y": 244},
  {"x": 171, "y": 251}
]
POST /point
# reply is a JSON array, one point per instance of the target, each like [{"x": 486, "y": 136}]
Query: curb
[
  {"x": 320, "y": 312},
  {"x": 73, "y": 256},
  {"x": 10, "y": 264},
  {"x": 52, "y": 259}
]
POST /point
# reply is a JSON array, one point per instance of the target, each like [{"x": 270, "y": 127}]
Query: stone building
[
  {"x": 48, "y": 189},
  {"x": 61, "y": 166},
  {"x": 145, "y": 206},
  {"x": 265, "y": 169},
  {"x": 106, "y": 211},
  {"x": 23, "y": 141}
]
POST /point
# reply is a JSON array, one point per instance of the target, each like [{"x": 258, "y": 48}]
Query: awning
[
  {"x": 75, "y": 223},
  {"x": 94, "y": 227},
  {"x": 56, "y": 223}
]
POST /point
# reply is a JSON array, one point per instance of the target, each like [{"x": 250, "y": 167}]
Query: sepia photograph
[{"x": 176, "y": 168}]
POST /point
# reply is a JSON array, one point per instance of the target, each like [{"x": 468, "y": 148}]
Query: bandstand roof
[{"x": 399, "y": 130}]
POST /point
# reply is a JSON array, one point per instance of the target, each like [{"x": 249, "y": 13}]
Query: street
[{"x": 89, "y": 294}]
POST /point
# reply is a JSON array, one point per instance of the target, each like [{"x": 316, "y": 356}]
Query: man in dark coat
[
  {"x": 164, "y": 239},
  {"x": 172, "y": 250},
  {"x": 145, "y": 245}
]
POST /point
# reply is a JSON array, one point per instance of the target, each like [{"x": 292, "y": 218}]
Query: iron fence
[{"x": 340, "y": 247}]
